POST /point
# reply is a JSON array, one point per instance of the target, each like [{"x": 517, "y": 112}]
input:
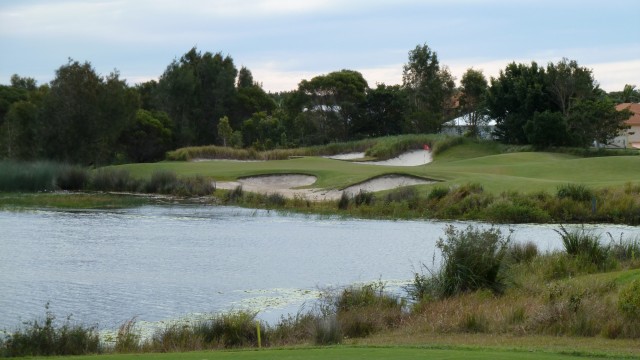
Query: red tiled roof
[{"x": 635, "y": 108}]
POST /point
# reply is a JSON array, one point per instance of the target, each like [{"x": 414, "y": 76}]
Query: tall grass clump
[
  {"x": 585, "y": 246},
  {"x": 472, "y": 259},
  {"x": 576, "y": 192},
  {"x": 28, "y": 176},
  {"x": 357, "y": 311},
  {"x": 127, "y": 338},
  {"x": 46, "y": 338},
  {"x": 230, "y": 330},
  {"x": 72, "y": 178},
  {"x": 109, "y": 179}
]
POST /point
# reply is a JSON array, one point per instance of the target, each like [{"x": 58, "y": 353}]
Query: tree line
[{"x": 203, "y": 98}]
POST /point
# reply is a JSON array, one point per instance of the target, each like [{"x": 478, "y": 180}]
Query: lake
[{"x": 168, "y": 262}]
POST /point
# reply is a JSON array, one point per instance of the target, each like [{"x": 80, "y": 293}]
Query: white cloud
[{"x": 613, "y": 76}]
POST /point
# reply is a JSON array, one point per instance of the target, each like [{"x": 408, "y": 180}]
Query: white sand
[
  {"x": 289, "y": 186},
  {"x": 410, "y": 158}
]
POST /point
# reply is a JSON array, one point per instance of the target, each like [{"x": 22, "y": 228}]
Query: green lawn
[
  {"x": 364, "y": 353},
  {"x": 469, "y": 163}
]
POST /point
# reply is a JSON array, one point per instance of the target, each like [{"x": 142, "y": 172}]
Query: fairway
[
  {"x": 355, "y": 353},
  {"x": 523, "y": 171}
]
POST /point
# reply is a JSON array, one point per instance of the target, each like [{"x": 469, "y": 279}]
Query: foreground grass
[{"x": 368, "y": 352}]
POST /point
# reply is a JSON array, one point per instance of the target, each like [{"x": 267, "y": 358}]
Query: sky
[{"x": 284, "y": 42}]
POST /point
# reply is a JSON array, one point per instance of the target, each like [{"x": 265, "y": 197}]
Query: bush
[
  {"x": 109, "y": 179},
  {"x": 275, "y": 200},
  {"x": 327, "y": 331},
  {"x": 72, "y": 178},
  {"x": 508, "y": 212},
  {"x": 471, "y": 260},
  {"x": 629, "y": 300},
  {"x": 576, "y": 192},
  {"x": 25, "y": 176},
  {"x": 522, "y": 252},
  {"x": 127, "y": 339},
  {"x": 162, "y": 182},
  {"x": 44, "y": 338},
  {"x": 405, "y": 193},
  {"x": 438, "y": 193},
  {"x": 584, "y": 246},
  {"x": 343, "y": 203},
  {"x": 229, "y": 330},
  {"x": 363, "y": 198}
]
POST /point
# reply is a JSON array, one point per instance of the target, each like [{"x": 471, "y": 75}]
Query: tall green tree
[
  {"x": 19, "y": 132},
  {"x": 430, "y": 88},
  {"x": 149, "y": 137},
  {"x": 224, "y": 130},
  {"x": 568, "y": 82},
  {"x": 385, "y": 112},
  {"x": 334, "y": 102},
  {"x": 473, "y": 91},
  {"x": 595, "y": 120},
  {"x": 513, "y": 97},
  {"x": 196, "y": 91},
  {"x": 85, "y": 114}
]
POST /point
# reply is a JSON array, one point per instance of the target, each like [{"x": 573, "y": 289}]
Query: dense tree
[
  {"x": 629, "y": 94},
  {"x": 263, "y": 131},
  {"x": 149, "y": 137},
  {"x": 26, "y": 83},
  {"x": 334, "y": 102},
  {"x": 513, "y": 98},
  {"x": 384, "y": 112},
  {"x": 595, "y": 120},
  {"x": 547, "y": 128},
  {"x": 196, "y": 92},
  {"x": 84, "y": 114},
  {"x": 19, "y": 132},
  {"x": 473, "y": 91},
  {"x": 430, "y": 88},
  {"x": 567, "y": 82}
]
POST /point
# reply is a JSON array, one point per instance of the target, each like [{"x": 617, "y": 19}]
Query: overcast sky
[{"x": 285, "y": 41}]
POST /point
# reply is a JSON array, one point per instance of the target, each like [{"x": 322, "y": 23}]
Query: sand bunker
[
  {"x": 410, "y": 158},
  {"x": 288, "y": 186}
]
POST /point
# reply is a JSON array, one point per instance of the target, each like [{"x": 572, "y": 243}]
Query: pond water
[{"x": 166, "y": 262}]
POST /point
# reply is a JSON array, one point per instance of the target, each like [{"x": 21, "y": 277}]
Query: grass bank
[{"x": 366, "y": 352}]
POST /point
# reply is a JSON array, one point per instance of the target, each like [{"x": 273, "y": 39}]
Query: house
[
  {"x": 460, "y": 126},
  {"x": 631, "y": 136}
]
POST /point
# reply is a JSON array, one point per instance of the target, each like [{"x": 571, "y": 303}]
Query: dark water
[{"x": 160, "y": 263}]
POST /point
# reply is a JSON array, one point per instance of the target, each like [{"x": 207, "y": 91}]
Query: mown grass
[{"x": 369, "y": 352}]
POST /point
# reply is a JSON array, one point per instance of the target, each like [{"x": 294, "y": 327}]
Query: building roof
[{"x": 634, "y": 120}]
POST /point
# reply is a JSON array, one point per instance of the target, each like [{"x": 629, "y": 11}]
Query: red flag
[{"x": 426, "y": 147}]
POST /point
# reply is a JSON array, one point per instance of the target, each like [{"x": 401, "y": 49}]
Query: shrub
[
  {"x": 576, "y": 192},
  {"x": 234, "y": 195},
  {"x": 162, "y": 182},
  {"x": 327, "y": 331},
  {"x": 629, "y": 300},
  {"x": 522, "y": 252},
  {"x": 275, "y": 200},
  {"x": 72, "y": 178},
  {"x": 363, "y": 198},
  {"x": 127, "y": 339},
  {"x": 405, "y": 193},
  {"x": 343, "y": 203},
  {"x": 31, "y": 177},
  {"x": 229, "y": 330},
  {"x": 584, "y": 245},
  {"x": 471, "y": 260},
  {"x": 438, "y": 193},
  {"x": 508, "y": 212},
  {"x": 109, "y": 179},
  {"x": 44, "y": 338},
  {"x": 625, "y": 249}
]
